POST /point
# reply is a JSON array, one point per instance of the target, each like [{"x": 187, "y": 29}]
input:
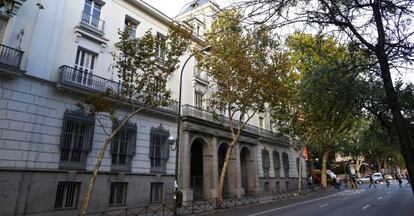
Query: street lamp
[{"x": 177, "y": 143}]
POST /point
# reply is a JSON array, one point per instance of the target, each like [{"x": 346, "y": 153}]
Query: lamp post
[{"x": 177, "y": 144}]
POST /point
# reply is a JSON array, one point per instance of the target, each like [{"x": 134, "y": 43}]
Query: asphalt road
[{"x": 363, "y": 201}]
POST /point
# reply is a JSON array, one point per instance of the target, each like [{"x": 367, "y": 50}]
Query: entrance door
[{"x": 197, "y": 170}]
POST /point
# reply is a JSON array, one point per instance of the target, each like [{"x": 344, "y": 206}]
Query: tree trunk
[
  {"x": 399, "y": 120},
  {"x": 324, "y": 167},
  {"x": 91, "y": 184},
  {"x": 300, "y": 175},
  {"x": 224, "y": 169}
]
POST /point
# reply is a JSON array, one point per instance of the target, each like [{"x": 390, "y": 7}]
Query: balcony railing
[
  {"x": 88, "y": 81},
  {"x": 91, "y": 21},
  {"x": 10, "y": 56}
]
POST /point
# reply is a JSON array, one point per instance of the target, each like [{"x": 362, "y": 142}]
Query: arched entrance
[
  {"x": 221, "y": 157},
  {"x": 247, "y": 171},
  {"x": 200, "y": 172}
]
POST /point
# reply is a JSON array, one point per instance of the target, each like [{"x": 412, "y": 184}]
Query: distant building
[{"x": 54, "y": 52}]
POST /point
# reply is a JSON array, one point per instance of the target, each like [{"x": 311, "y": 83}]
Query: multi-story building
[{"x": 53, "y": 53}]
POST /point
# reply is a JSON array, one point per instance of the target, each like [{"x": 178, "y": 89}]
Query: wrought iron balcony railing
[
  {"x": 82, "y": 78},
  {"x": 10, "y": 56},
  {"x": 92, "y": 21}
]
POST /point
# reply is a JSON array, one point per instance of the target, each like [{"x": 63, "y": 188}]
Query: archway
[
  {"x": 221, "y": 157},
  {"x": 247, "y": 172},
  {"x": 201, "y": 169}
]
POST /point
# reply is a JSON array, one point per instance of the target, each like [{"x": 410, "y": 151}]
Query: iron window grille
[
  {"x": 76, "y": 139},
  {"x": 157, "y": 192},
  {"x": 276, "y": 163},
  {"x": 118, "y": 194},
  {"x": 123, "y": 147},
  {"x": 159, "y": 149},
  {"x": 265, "y": 163},
  {"x": 285, "y": 159},
  {"x": 67, "y": 195}
]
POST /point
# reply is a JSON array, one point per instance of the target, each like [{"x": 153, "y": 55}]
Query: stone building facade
[{"x": 52, "y": 53}]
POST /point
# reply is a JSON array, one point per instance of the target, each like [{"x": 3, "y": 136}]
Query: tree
[
  {"x": 143, "y": 77},
  {"x": 328, "y": 97},
  {"x": 246, "y": 68},
  {"x": 381, "y": 27}
]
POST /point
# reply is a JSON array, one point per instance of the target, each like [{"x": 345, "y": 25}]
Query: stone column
[
  {"x": 255, "y": 168},
  {"x": 214, "y": 173},
  {"x": 238, "y": 186},
  {"x": 185, "y": 166},
  {"x": 207, "y": 170}
]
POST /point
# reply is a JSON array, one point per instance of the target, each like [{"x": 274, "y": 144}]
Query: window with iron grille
[
  {"x": 123, "y": 147},
  {"x": 76, "y": 139},
  {"x": 118, "y": 193},
  {"x": 159, "y": 149},
  {"x": 157, "y": 192},
  {"x": 276, "y": 163},
  {"x": 285, "y": 159},
  {"x": 265, "y": 163},
  {"x": 67, "y": 195}
]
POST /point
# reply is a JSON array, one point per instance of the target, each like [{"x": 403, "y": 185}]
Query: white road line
[
  {"x": 323, "y": 205},
  {"x": 288, "y": 206},
  {"x": 345, "y": 198},
  {"x": 365, "y": 206},
  {"x": 380, "y": 197},
  {"x": 388, "y": 192}
]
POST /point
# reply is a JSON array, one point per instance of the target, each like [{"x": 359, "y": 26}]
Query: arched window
[
  {"x": 276, "y": 163},
  {"x": 285, "y": 159},
  {"x": 265, "y": 162},
  {"x": 159, "y": 149}
]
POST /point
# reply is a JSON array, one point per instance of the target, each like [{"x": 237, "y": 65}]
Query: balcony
[
  {"x": 10, "y": 60},
  {"x": 81, "y": 81},
  {"x": 264, "y": 134},
  {"x": 91, "y": 27}
]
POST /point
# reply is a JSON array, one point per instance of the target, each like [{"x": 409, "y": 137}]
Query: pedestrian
[
  {"x": 353, "y": 182},
  {"x": 408, "y": 178},
  {"x": 398, "y": 179},
  {"x": 371, "y": 181},
  {"x": 310, "y": 181}
]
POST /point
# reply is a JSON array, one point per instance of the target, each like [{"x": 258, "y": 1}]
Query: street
[{"x": 362, "y": 201}]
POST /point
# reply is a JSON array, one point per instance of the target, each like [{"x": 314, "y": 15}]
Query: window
[
  {"x": 198, "y": 99},
  {"x": 123, "y": 147},
  {"x": 76, "y": 139},
  {"x": 91, "y": 13},
  {"x": 261, "y": 122},
  {"x": 276, "y": 163},
  {"x": 287, "y": 186},
  {"x": 67, "y": 195},
  {"x": 277, "y": 186},
  {"x": 132, "y": 24},
  {"x": 265, "y": 163},
  {"x": 84, "y": 66},
  {"x": 3, "y": 23},
  {"x": 266, "y": 186},
  {"x": 160, "y": 49},
  {"x": 118, "y": 193},
  {"x": 157, "y": 192},
  {"x": 285, "y": 159},
  {"x": 159, "y": 149}
]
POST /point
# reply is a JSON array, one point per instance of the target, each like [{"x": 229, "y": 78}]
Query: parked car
[
  {"x": 364, "y": 179},
  {"x": 377, "y": 178}
]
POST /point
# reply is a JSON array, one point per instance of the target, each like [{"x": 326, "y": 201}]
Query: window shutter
[{"x": 276, "y": 160}]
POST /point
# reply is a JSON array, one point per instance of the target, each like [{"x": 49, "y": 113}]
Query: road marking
[
  {"x": 288, "y": 206},
  {"x": 388, "y": 192},
  {"x": 380, "y": 197},
  {"x": 345, "y": 198},
  {"x": 323, "y": 205},
  {"x": 365, "y": 206}
]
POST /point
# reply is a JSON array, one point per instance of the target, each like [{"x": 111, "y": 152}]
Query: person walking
[
  {"x": 398, "y": 179},
  {"x": 408, "y": 178},
  {"x": 371, "y": 181}
]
